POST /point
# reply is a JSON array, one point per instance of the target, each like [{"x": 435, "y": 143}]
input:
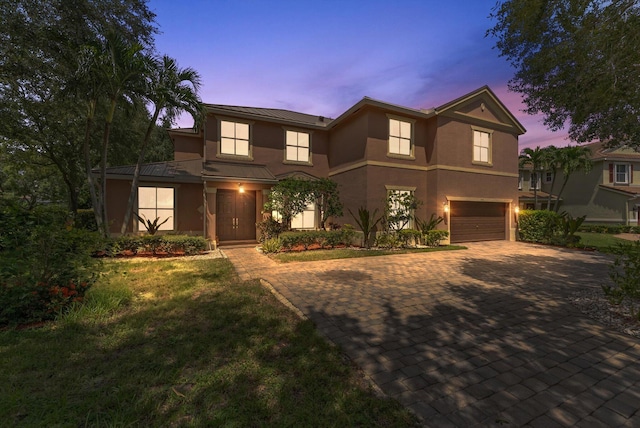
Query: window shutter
[
  {"x": 630, "y": 173},
  {"x": 610, "y": 173}
]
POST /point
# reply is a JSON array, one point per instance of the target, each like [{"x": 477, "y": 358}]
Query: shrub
[
  {"x": 538, "y": 225},
  {"x": 85, "y": 219},
  {"x": 323, "y": 238},
  {"x": 625, "y": 274},
  {"x": 170, "y": 244},
  {"x": 388, "y": 240},
  {"x": 269, "y": 228},
  {"x": 367, "y": 222},
  {"x": 272, "y": 245},
  {"x": 45, "y": 263},
  {"x": 409, "y": 237},
  {"x": 433, "y": 237},
  {"x": 425, "y": 226}
]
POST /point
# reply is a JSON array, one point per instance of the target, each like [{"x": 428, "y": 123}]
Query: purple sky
[{"x": 321, "y": 57}]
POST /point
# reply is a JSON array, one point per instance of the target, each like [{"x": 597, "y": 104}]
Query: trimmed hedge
[
  {"x": 323, "y": 238},
  {"x": 537, "y": 225},
  {"x": 609, "y": 228},
  {"x": 169, "y": 244}
]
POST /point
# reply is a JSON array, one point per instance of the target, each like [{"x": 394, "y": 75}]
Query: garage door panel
[{"x": 477, "y": 221}]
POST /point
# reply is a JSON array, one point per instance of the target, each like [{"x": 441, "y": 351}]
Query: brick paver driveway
[{"x": 484, "y": 336}]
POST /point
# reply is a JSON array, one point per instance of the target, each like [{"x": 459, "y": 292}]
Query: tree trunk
[
  {"x": 95, "y": 202},
  {"x": 103, "y": 165},
  {"x": 136, "y": 172},
  {"x": 564, "y": 183}
]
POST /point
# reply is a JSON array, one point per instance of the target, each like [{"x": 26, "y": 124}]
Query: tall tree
[
  {"x": 171, "y": 90},
  {"x": 535, "y": 158},
  {"x": 550, "y": 164},
  {"x": 40, "y": 42},
  {"x": 577, "y": 63},
  {"x": 572, "y": 159}
]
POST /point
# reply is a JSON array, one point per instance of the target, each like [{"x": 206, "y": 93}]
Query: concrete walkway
[{"x": 482, "y": 337}]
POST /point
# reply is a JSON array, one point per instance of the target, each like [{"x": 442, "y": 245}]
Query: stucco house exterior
[
  {"x": 609, "y": 193},
  {"x": 459, "y": 159}
]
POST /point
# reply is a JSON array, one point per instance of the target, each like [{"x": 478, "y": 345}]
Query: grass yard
[
  {"x": 182, "y": 343},
  {"x": 346, "y": 253},
  {"x": 600, "y": 241}
]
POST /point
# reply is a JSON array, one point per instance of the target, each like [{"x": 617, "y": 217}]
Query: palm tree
[
  {"x": 535, "y": 158},
  {"x": 551, "y": 163},
  {"x": 110, "y": 68},
  {"x": 570, "y": 160},
  {"x": 171, "y": 90}
]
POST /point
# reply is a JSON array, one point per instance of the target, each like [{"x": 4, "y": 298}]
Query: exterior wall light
[
  {"x": 240, "y": 188},
  {"x": 445, "y": 209}
]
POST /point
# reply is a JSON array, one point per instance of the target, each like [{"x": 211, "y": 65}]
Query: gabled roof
[
  {"x": 631, "y": 191},
  {"x": 600, "y": 151},
  {"x": 270, "y": 114},
  {"x": 484, "y": 91}
]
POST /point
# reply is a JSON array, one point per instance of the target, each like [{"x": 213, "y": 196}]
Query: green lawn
[
  {"x": 182, "y": 343},
  {"x": 600, "y": 241},
  {"x": 346, "y": 253}
]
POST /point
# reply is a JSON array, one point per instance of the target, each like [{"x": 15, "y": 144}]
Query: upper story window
[
  {"x": 520, "y": 181},
  {"x": 621, "y": 173},
  {"x": 298, "y": 146},
  {"x": 534, "y": 181},
  {"x": 156, "y": 203},
  {"x": 548, "y": 177},
  {"x": 400, "y": 137},
  {"x": 481, "y": 146},
  {"x": 234, "y": 139}
]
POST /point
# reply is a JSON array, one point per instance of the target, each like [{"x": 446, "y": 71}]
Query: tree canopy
[{"x": 577, "y": 62}]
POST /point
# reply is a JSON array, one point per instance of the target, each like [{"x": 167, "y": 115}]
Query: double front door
[{"x": 236, "y": 215}]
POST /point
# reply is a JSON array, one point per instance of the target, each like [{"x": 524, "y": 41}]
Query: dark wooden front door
[{"x": 236, "y": 215}]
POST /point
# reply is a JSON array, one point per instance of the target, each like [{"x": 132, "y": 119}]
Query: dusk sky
[{"x": 321, "y": 57}]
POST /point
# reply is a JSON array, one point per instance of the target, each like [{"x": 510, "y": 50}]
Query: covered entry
[
  {"x": 236, "y": 215},
  {"x": 478, "y": 221}
]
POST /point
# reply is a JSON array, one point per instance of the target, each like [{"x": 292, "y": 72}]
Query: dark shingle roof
[
  {"x": 186, "y": 170},
  {"x": 272, "y": 113},
  {"x": 194, "y": 170},
  {"x": 247, "y": 172}
]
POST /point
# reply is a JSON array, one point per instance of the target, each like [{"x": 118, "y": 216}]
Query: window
[
  {"x": 400, "y": 209},
  {"x": 400, "y": 137},
  {"x": 622, "y": 173},
  {"x": 520, "y": 181},
  {"x": 298, "y": 148},
  {"x": 156, "y": 203},
  {"x": 548, "y": 177},
  {"x": 481, "y": 146},
  {"x": 234, "y": 138},
  {"x": 306, "y": 219},
  {"x": 534, "y": 181}
]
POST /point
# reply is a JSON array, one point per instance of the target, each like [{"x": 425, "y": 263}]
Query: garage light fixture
[
  {"x": 240, "y": 188},
  {"x": 445, "y": 209},
  {"x": 516, "y": 212}
]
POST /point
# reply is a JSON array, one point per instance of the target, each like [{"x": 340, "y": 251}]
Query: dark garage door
[{"x": 477, "y": 221}]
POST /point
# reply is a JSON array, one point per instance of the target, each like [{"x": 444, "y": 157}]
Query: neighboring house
[
  {"x": 610, "y": 192},
  {"x": 541, "y": 183},
  {"x": 459, "y": 159}
]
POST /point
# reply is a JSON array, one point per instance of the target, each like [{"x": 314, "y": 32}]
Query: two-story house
[
  {"x": 610, "y": 192},
  {"x": 459, "y": 159}
]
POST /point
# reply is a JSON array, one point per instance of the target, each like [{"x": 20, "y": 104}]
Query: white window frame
[
  {"x": 402, "y": 190},
  {"x": 626, "y": 173},
  {"x": 289, "y": 136},
  {"x": 482, "y": 153},
  {"x": 400, "y": 137},
  {"x": 533, "y": 186},
  {"x": 306, "y": 218},
  {"x": 234, "y": 139},
  {"x": 158, "y": 212}
]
